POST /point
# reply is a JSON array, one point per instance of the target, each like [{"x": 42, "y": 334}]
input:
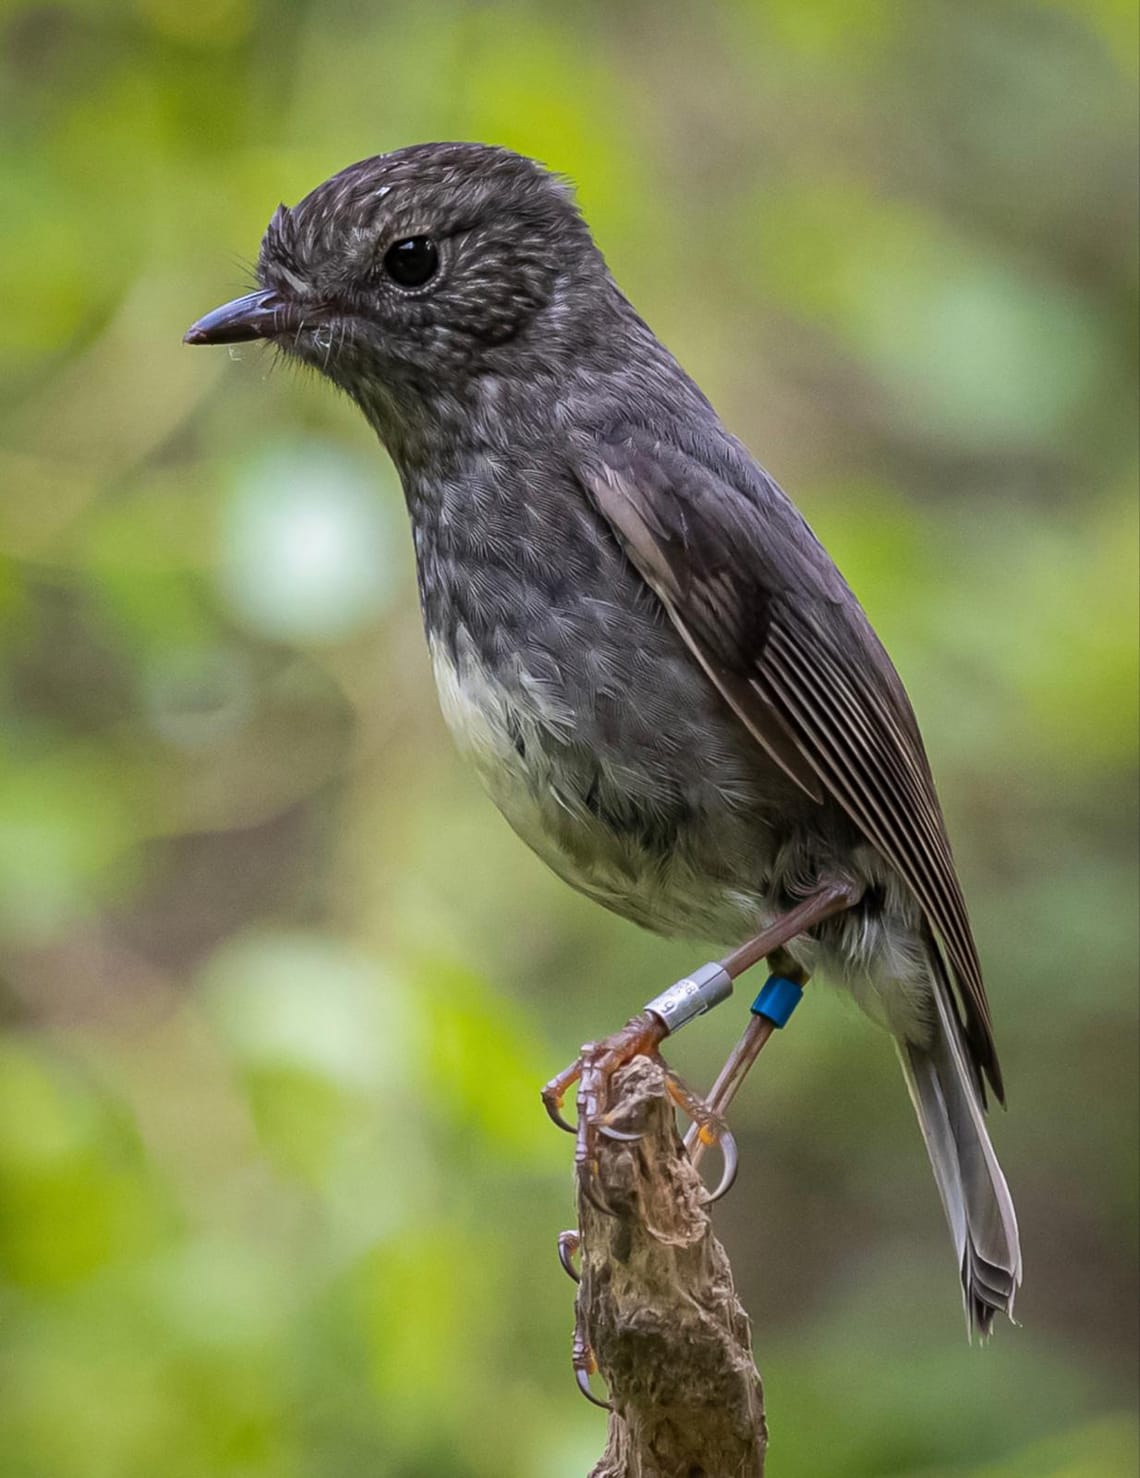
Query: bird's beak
[{"x": 259, "y": 315}]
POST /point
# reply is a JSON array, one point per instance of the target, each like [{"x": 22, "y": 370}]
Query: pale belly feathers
[{"x": 599, "y": 824}]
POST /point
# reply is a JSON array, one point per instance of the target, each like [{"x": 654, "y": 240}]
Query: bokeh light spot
[{"x": 306, "y": 542}]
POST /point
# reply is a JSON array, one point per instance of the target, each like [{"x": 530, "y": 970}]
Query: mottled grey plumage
[{"x": 666, "y": 684}]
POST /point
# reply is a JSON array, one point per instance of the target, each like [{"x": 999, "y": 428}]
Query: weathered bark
[{"x": 658, "y": 1307}]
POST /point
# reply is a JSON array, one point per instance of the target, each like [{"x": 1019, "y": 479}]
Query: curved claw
[
  {"x": 553, "y": 1107},
  {"x": 568, "y": 1244},
  {"x": 583, "y": 1378},
  {"x": 621, "y": 1135},
  {"x": 727, "y": 1142}
]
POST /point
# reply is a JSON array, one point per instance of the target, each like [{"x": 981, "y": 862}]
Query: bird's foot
[
  {"x": 585, "y": 1364},
  {"x": 569, "y": 1246},
  {"x": 596, "y": 1064},
  {"x": 709, "y": 1129},
  {"x": 593, "y": 1071},
  {"x": 583, "y": 1359}
]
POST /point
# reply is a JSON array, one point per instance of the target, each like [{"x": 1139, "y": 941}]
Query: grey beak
[{"x": 259, "y": 315}]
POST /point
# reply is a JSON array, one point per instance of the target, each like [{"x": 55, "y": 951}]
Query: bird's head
[{"x": 405, "y": 276}]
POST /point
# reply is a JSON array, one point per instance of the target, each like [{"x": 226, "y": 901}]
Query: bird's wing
[{"x": 765, "y": 611}]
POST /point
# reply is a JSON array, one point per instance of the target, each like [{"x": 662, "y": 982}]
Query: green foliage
[{"x": 277, "y": 1199}]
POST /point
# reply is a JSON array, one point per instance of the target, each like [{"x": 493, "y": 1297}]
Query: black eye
[{"x": 412, "y": 261}]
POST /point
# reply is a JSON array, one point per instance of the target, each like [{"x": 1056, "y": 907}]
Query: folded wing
[{"x": 763, "y": 608}]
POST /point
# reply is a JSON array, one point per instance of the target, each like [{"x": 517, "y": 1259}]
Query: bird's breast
[{"x": 597, "y": 735}]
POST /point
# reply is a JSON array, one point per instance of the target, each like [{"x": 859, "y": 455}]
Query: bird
[{"x": 660, "y": 675}]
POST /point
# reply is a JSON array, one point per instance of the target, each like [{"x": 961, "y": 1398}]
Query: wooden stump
[{"x": 657, "y": 1304}]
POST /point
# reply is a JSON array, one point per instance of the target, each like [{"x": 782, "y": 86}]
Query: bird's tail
[{"x": 948, "y": 1101}]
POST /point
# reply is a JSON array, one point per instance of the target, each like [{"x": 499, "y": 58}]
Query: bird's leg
[
  {"x": 771, "y": 1009},
  {"x": 670, "y": 1011},
  {"x": 739, "y": 1061}
]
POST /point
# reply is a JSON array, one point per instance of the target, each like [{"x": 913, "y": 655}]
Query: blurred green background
[{"x": 278, "y": 986}]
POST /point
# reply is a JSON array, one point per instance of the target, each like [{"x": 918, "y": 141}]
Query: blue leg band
[{"x": 778, "y": 998}]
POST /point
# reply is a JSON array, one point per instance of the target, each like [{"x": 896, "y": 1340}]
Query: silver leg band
[{"x": 693, "y": 996}]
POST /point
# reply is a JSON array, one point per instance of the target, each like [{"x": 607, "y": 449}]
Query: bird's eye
[{"x": 412, "y": 261}]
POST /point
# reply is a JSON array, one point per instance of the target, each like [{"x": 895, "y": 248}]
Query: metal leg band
[{"x": 693, "y": 996}]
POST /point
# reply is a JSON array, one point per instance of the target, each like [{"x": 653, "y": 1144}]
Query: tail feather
[{"x": 947, "y": 1099}]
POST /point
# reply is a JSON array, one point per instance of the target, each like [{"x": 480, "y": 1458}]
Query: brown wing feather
[{"x": 768, "y": 616}]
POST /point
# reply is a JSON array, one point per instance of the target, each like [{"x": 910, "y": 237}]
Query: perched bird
[{"x": 664, "y": 681}]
